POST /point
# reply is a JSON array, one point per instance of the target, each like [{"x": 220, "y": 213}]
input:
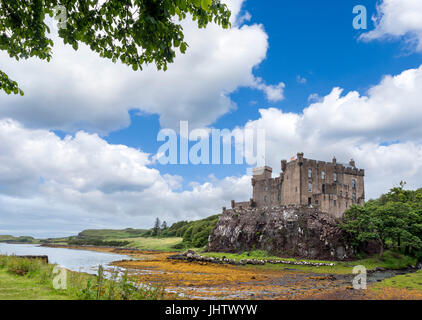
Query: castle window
[
  {"x": 354, "y": 196},
  {"x": 347, "y": 195},
  {"x": 309, "y": 173},
  {"x": 309, "y": 202},
  {"x": 279, "y": 187},
  {"x": 279, "y": 197},
  {"x": 310, "y": 187},
  {"x": 316, "y": 202},
  {"x": 323, "y": 188},
  {"x": 323, "y": 175},
  {"x": 266, "y": 188},
  {"x": 335, "y": 176},
  {"x": 265, "y": 199},
  {"x": 341, "y": 193},
  {"x": 335, "y": 203},
  {"x": 354, "y": 184}
]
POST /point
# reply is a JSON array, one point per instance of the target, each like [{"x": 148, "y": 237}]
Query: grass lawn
[
  {"x": 389, "y": 260},
  {"x": 162, "y": 244},
  {"x": 13, "y": 287}
]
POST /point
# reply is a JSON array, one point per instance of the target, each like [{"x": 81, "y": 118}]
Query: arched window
[
  {"x": 310, "y": 186},
  {"x": 354, "y": 184},
  {"x": 309, "y": 173},
  {"x": 323, "y": 175},
  {"x": 335, "y": 176}
]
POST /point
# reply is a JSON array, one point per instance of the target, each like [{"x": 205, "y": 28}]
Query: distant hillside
[
  {"x": 22, "y": 239},
  {"x": 194, "y": 234},
  {"x": 104, "y": 234}
]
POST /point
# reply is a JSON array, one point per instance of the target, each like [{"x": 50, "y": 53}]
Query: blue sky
[
  {"x": 77, "y": 151},
  {"x": 313, "y": 40}
]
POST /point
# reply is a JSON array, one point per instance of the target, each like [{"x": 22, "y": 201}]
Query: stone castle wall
[{"x": 329, "y": 186}]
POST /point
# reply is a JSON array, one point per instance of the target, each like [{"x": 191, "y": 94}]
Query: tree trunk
[{"x": 381, "y": 248}]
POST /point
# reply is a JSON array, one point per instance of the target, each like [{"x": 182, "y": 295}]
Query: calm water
[{"x": 75, "y": 260}]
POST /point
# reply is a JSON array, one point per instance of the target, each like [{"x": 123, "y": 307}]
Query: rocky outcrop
[{"x": 284, "y": 231}]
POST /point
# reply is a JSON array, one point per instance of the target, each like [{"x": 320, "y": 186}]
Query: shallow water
[{"x": 71, "y": 259}]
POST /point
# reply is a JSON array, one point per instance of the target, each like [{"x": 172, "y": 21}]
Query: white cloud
[
  {"x": 55, "y": 184},
  {"x": 64, "y": 185},
  {"x": 300, "y": 79},
  {"x": 273, "y": 93},
  {"x": 79, "y": 90},
  {"x": 381, "y": 131},
  {"x": 398, "y": 18}
]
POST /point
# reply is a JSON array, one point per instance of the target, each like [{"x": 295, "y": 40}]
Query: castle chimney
[
  {"x": 283, "y": 165},
  {"x": 334, "y": 160},
  {"x": 352, "y": 163},
  {"x": 300, "y": 157}
]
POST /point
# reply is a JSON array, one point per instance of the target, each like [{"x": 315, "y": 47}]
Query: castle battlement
[{"x": 330, "y": 186}]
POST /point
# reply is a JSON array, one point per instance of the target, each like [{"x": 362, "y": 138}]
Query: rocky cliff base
[{"x": 283, "y": 231}]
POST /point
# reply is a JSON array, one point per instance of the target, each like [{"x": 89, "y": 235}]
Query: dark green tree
[
  {"x": 134, "y": 32},
  {"x": 156, "y": 229},
  {"x": 394, "y": 221}
]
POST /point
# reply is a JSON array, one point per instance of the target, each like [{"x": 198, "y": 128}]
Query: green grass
[
  {"x": 411, "y": 281},
  {"x": 161, "y": 244},
  {"x": 390, "y": 260},
  {"x": 28, "y": 279},
  {"x": 14, "y": 287}
]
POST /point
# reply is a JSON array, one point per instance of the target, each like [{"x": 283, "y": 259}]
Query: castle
[{"x": 330, "y": 186}]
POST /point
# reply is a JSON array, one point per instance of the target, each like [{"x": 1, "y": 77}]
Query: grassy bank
[
  {"x": 27, "y": 279},
  {"x": 161, "y": 244},
  {"x": 390, "y": 260},
  {"x": 410, "y": 281}
]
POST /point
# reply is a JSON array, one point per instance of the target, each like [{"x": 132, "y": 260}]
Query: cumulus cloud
[
  {"x": 398, "y": 18},
  {"x": 79, "y": 90},
  {"x": 273, "y": 93},
  {"x": 64, "y": 185},
  {"x": 80, "y": 181},
  {"x": 380, "y": 130}
]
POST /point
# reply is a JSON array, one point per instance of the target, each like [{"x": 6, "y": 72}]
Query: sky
[{"x": 80, "y": 149}]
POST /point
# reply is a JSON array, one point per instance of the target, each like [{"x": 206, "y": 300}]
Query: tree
[
  {"x": 164, "y": 225},
  {"x": 156, "y": 230},
  {"x": 394, "y": 221},
  {"x": 134, "y": 32}
]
